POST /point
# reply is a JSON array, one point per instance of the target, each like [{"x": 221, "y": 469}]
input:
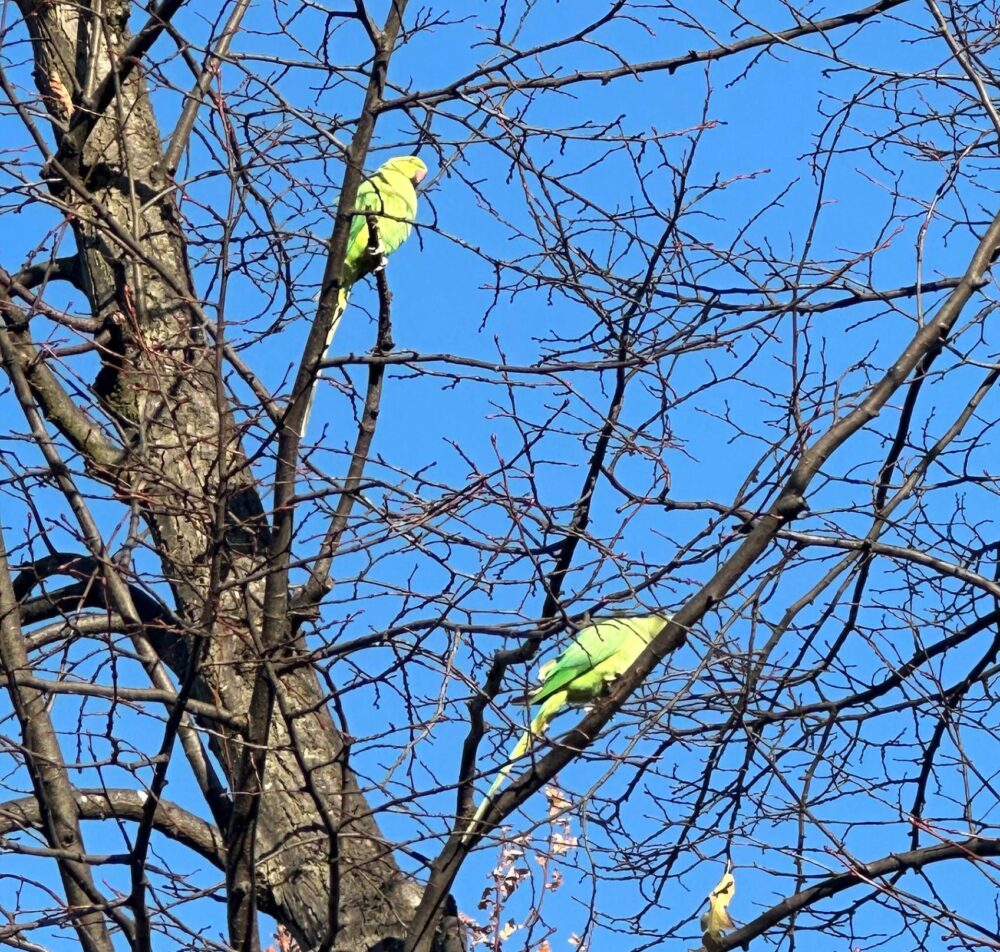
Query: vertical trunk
[{"x": 160, "y": 381}]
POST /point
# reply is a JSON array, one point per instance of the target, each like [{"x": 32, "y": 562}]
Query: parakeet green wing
[
  {"x": 595, "y": 645},
  {"x": 390, "y": 193}
]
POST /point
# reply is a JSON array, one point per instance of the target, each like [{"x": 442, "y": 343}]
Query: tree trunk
[{"x": 184, "y": 469}]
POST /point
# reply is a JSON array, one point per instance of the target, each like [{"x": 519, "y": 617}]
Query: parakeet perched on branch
[
  {"x": 391, "y": 192},
  {"x": 599, "y": 655}
]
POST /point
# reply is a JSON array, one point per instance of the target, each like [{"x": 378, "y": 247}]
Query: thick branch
[
  {"x": 789, "y": 503},
  {"x": 319, "y": 580},
  {"x": 185, "y": 124},
  {"x": 975, "y": 847},
  {"x": 210, "y": 712},
  {"x": 170, "y": 820},
  {"x": 20, "y": 355},
  {"x": 43, "y": 759},
  {"x": 163, "y": 629},
  {"x": 241, "y": 868}
]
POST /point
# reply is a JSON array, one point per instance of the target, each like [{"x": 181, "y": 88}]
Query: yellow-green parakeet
[
  {"x": 599, "y": 655},
  {"x": 391, "y": 192}
]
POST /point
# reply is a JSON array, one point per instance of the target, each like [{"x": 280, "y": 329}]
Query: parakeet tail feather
[
  {"x": 342, "y": 295},
  {"x": 539, "y": 725}
]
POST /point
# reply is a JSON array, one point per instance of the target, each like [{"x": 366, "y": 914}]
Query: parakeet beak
[{"x": 419, "y": 176}]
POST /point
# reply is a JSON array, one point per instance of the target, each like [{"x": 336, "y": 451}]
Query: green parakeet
[
  {"x": 391, "y": 191},
  {"x": 600, "y": 654}
]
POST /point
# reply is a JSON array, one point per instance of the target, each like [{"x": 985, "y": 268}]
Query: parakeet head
[{"x": 409, "y": 165}]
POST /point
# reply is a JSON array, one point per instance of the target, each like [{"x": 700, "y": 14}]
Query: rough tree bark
[{"x": 180, "y": 463}]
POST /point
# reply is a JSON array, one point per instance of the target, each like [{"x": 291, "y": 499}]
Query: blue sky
[{"x": 438, "y": 438}]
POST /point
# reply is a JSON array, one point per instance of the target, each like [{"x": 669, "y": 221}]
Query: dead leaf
[
  {"x": 478, "y": 934},
  {"x": 559, "y": 803},
  {"x": 716, "y": 921},
  {"x": 285, "y": 941},
  {"x": 62, "y": 102},
  {"x": 560, "y": 845}
]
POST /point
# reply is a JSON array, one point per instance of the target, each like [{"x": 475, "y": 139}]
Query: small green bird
[
  {"x": 599, "y": 655},
  {"x": 391, "y": 192}
]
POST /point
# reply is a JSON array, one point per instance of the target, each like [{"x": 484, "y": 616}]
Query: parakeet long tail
[
  {"x": 342, "y": 297},
  {"x": 552, "y": 707}
]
